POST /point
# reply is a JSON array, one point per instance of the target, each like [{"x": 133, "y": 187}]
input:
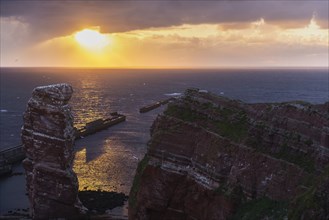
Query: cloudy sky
[{"x": 164, "y": 34}]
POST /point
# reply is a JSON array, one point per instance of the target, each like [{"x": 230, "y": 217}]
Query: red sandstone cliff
[
  {"x": 48, "y": 138},
  {"x": 214, "y": 158}
]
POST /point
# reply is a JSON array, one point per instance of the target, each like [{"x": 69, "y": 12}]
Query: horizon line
[{"x": 173, "y": 67}]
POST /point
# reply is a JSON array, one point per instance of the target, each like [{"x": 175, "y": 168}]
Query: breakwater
[{"x": 155, "y": 105}]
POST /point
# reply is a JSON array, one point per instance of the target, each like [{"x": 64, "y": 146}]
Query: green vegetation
[
  {"x": 309, "y": 142},
  {"x": 185, "y": 114},
  {"x": 207, "y": 105},
  {"x": 262, "y": 208},
  {"x": 303, "y": 202},
  {"x": 233, "y": 193},
  {"x": 285, "y": 153},
  {"x": 137, "y": 180},
  {"x": 302, "y": 160},
  {"x": 313, "y": 199},
  {"x": 254, "y": 209},
  {"x": 232, "y": 124},
  {"x": 226, "y": 113}
]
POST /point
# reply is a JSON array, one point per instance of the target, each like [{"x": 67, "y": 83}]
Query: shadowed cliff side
[{"x": 210, "y": 157}]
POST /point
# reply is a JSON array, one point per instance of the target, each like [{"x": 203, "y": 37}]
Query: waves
[{"x": 173, "y": 94}]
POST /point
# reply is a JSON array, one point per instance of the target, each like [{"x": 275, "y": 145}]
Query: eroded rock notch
[{"x": 48, "y": 138}]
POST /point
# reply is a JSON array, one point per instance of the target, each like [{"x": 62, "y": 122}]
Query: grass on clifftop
[
  {"x": 232, "y": 124},
  {"x": 185, "y": 114}
]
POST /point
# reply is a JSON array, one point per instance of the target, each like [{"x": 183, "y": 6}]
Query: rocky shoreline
[{"x": 99, "y": 204}]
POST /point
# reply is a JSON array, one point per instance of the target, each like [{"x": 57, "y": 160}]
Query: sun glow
[
  {"x": 92, "y": 39},
  {"x": 187, "y": 45}
]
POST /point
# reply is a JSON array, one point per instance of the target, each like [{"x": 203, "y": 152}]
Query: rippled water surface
[{"x": 108, "y": 159}]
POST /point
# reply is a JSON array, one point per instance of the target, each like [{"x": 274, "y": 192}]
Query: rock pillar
[{"x": 48, "y": 138}]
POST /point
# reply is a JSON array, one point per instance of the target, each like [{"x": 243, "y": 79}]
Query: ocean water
[{"x": 108, "y": 159}]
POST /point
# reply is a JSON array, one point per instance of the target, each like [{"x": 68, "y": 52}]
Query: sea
[{"x": 107, "y": 160}]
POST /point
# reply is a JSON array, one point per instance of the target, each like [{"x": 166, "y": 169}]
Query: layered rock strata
[
  {"x": 48, "y": 138},
  {"x": 210, "y": 157}
]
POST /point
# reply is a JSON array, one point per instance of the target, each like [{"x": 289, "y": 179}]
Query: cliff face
[
  {"x": 214, "y": 158},
  {"x": 48, "y": 138}
]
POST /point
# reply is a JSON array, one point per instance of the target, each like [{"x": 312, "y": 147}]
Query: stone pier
[{"x": 48, "y": 138}]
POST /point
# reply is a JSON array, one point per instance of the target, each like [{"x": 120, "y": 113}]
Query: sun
[{"x": 92, "y": 39}]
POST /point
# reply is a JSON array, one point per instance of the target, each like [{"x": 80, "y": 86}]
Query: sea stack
[{"x": 48, "y": 139}]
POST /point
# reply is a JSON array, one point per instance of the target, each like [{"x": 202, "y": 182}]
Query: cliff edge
[{"x": 210, "y": 157}]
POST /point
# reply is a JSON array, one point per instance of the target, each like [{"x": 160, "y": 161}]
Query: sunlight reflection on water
[
  {"x": 87, "y": 99},
  {"x": 108, "y": 159}
]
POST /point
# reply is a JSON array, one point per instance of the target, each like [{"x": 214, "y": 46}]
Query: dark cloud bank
[{"x": 56, "y": 18}]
